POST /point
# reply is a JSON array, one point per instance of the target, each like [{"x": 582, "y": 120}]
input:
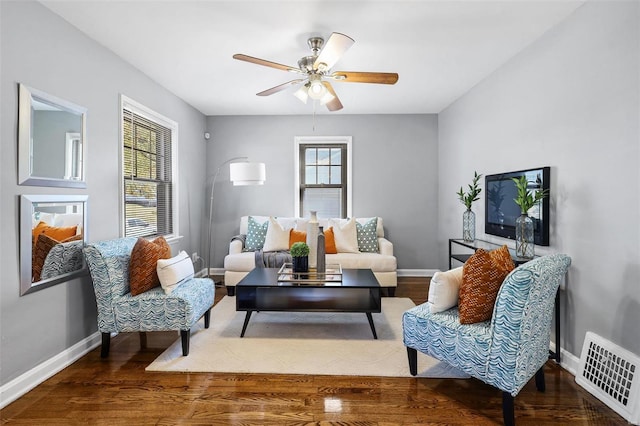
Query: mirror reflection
[
  {"x": 53, "y": 233},
  {"x": 51, "y": 135}
]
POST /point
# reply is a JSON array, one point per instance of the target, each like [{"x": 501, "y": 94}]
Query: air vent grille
[{"x": 612, "y": 374}]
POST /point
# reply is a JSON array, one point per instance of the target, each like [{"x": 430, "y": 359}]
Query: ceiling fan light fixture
[
  {"x": 302, "y": 93},
  {"x": 317, "y": 89}
]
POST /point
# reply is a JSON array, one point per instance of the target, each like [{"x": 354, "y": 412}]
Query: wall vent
[{"x": 611, "y": 374}]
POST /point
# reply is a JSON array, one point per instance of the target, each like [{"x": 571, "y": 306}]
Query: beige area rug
[{"x": 301, "y": 343}]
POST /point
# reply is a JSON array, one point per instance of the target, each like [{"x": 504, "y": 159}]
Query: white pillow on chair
[
  {"x": 172, "y": 272},
  {"x": 443, "y": 290}
]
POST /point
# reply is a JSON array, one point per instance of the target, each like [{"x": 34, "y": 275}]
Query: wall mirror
[
  {"x": 51, "y": 140},
  {"x": 53, "y": 232}
]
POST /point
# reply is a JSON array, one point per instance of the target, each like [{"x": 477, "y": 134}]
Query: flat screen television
[{"x": 501, "y": 211}]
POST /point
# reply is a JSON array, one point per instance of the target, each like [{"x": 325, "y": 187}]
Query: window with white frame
[
  {"x": 149, "y": 167},
  {"x": 323, "y": 180}
]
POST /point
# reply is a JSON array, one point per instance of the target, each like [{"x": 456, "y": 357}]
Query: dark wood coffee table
[{"x": 260, "y": 290}]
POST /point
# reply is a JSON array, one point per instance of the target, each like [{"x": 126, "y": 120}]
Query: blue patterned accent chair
[
  {"x": 119, "y": 311},
  {"x": 62, "y": 259},
  {"x": 505, "y": 351}
]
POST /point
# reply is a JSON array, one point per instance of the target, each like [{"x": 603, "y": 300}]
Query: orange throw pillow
[
  {"x": 55, "y": 232},
  {"x": 482, "y": 276},
  {"x": 330, "y": 242},
  {"x": 143, "y": 275},
  {"x": 297, "y": 237},
  {"x": 43, "y": 246}
]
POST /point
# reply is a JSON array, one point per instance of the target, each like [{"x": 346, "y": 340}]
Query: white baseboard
[
  {"x": 22, "y": 384},
  {"x": 568, "y": 361},
  {"x": 416, "y": 272}
]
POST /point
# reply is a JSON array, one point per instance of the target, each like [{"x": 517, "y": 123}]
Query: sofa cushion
[
  {"x": 256, "y": 234},
  {"x": 143, "y": 275},
  {"x": 482, "y": 276},
  {"x": 367, "y": 236},
  {"x": 286, "y": 222},
  {"x": 277, "y": 237},
  {"x": 443, "y": 290},
  {"x": 301, "y": 223},
  {"x": 346, "y": 235},
  {"x": 374, "y": 261}
]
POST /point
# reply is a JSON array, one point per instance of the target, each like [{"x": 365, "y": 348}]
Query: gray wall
[
  {"x": 42, "y": 51},
  {"x": 569, "y": 101},
  {"x": 394, "y": 174}
]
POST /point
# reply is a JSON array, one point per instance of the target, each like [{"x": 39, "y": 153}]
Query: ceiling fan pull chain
[{"x": 314, "y": 114}]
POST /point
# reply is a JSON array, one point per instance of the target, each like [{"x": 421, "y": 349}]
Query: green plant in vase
[
  {"x": 526, "y": 199},
  {"x": 300, "y": 257},
  {"x": 469, "y": 217}
]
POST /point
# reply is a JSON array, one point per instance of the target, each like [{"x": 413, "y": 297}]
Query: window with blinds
[
  {"x": 323, "y": 179},
  {"x": 147, "y": 174}
]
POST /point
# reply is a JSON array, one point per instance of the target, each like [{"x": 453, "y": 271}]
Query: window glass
[
  {"x": 147, "y": 174},
  {"x": 322, "y": 180}
]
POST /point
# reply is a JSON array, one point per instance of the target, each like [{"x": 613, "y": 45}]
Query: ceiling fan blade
[
  {"x": 279, "y": 88},
  {"x": 365, "y": 77},
  {"x": 334, "y": 104},
  {"x": 264, "y": 62},
  {"x": 333, "y": 50}
]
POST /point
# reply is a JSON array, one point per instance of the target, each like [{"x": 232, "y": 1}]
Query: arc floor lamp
[{"x": 241, "y": 173}]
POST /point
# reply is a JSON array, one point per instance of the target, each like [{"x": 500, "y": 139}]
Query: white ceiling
[{"x": 440, "y": 49}]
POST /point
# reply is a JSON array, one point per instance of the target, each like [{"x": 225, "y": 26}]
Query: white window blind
[
  {"x": 147, "y": 175},
  {"x": 323, "y": 182}
]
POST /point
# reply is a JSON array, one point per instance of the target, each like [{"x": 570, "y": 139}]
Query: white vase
[{"x": 312, "y": 239}]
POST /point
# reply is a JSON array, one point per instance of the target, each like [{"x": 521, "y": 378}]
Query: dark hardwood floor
[{"x": 119, "y": 391}]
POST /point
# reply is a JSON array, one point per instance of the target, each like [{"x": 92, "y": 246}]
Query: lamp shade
[{"x": 247, "y": 173}]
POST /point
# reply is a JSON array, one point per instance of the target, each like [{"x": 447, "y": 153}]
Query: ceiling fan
[{"x": 316, "y": 70}]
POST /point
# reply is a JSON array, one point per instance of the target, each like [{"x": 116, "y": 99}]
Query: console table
[{"x": 461, "y": 250}]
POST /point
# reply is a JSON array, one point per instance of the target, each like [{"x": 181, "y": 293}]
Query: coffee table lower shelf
[{"x": 358, "y": 293}]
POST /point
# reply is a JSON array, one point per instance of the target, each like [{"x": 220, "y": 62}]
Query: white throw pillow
[
  {"x": 277, "y": 237},
  {"x": 172, "y": 272},
  {"x": 443, "y": 290},
  {"x": 346, "y": 235}
]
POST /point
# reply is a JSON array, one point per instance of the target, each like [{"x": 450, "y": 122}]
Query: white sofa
[{"x": 239, "y": 263}]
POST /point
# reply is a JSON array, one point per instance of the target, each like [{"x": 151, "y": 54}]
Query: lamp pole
[{"x": 213, "y": 185}]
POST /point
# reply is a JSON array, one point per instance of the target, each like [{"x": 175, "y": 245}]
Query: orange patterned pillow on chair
[
  {"x": 143, "y": 275},
  {"x": 44, "y": 244},
  {"x": 482, "y": 276},
  {"x": 58, "y": 233}
]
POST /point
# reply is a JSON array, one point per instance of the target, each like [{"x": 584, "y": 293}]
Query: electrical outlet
[{"x": 194, "y": 257}]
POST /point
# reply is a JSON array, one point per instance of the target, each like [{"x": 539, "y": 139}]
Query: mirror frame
[
  {"x": 25, "y": 124},
  {"x": 26, "y": 248}
]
